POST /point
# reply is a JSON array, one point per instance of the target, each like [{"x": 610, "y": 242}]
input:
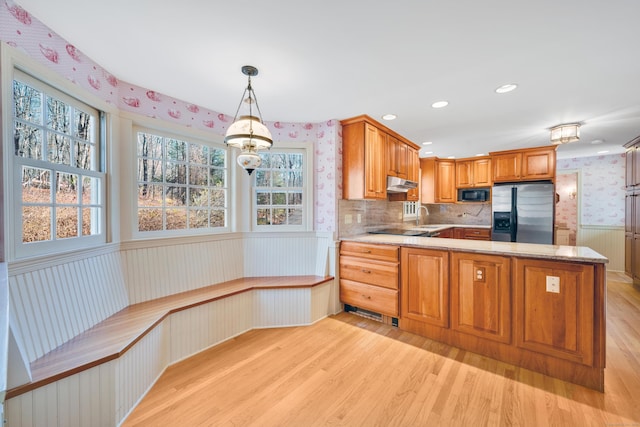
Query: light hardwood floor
[{"x": 350, "y": 371}]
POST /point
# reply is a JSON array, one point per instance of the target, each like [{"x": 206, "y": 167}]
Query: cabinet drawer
[
  {"x": 383, "y": 274},
  {"x": 366, "y": 250},
  {"x": 374, "y": 298},
  {"x": 477, "y": 233}
]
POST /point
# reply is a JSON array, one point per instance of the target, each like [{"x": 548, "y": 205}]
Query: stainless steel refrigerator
[{"x": 523, "y": 213}]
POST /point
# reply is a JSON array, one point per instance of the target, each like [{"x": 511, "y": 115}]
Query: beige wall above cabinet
[
  {"x": 532, "y": 164},
  {"x": 438, "y": 182},
  {"x": 370, "y": 152},
  {"x": 474, "y": 173}
]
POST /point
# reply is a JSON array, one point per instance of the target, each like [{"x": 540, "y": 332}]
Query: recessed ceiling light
[
  {"x": 597, "y": 141},
  {"x": 506, "y": 88},
  {"x": 451, "y": 157},
  {"x": 603, "y": 152},
  {"x": 389, "y": 117},
  {"x": 428, "y": 152},
  {"x": 480, "y": 154},
  {"x": 440, "y": 104},
  {"x": 427, "y": 143}
]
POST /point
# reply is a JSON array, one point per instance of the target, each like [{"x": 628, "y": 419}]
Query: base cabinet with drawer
[
  {"x": 469, "y": 233},
  {"x": 369, "y": 277},
  {"x": 543, "y": 314}
]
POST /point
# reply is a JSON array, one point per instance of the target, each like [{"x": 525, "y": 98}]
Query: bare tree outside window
[
  {"x": 55, "y": 146},
  {"x": 176, "y": 181},
  {"x": 279, "y": 189}
]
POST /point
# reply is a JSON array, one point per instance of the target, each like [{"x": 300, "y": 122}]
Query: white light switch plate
[{"x": 553, "y": 284}]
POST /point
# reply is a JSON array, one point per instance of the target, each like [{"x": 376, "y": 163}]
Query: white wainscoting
[
  {"x": 156, "y": 271},
  {"x": 105, "y": 395},
  {"x": 84, "y": 399},
  {"x": 52, "y": 304},
  {"x": 607, "y": 241}
]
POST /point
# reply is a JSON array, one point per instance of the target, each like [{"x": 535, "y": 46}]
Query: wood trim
[
  {"x": 115, "y": 335},
  {"x": 371, "y": 121}
]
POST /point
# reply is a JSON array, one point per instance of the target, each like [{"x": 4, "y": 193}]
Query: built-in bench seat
[{"x": 114, "y": 336}]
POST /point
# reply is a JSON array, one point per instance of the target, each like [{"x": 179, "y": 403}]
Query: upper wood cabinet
[
  {"x": 438, "y": 181},
  {"x": 473, "y": 173},
  {"x": 397, "y": 160},
  {"x": 632, "y": 163},
  {"x": 413, "y": 173},
  {"x": 531, "y": 164},
  {"x": 371, "y": 152}
]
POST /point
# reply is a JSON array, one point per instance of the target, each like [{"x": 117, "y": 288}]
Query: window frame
[
  {"x": 70, "y": 95},
  {"x": 189, "y": 139},
  {"x": 306, "y": 149}
]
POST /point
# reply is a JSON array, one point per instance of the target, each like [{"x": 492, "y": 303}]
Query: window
[
  {"x": 182, "y": 185},
  {"x": 281, "y": 190},
  {"x": 59, "y": 184}
]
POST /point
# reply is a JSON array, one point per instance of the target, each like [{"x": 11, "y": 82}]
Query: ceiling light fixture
[
  {"x": 249, "y": 132},
  {"x": 506, "y": 88},
  {"x": 566, "y": 133},
  {"x": 603, "y": 152},
  {"x": 427, "y": 143},
  {"x": 389, "y": 117},
  {"x": 440, "y": 104}
]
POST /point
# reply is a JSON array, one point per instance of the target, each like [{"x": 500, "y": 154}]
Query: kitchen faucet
[{"x": 418, "y": 213}]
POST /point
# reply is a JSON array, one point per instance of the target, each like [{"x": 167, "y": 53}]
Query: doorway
[{"x": 566, "y": 217}]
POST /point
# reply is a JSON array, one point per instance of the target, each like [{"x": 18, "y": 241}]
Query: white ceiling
[{"x": 573, "y": 60}]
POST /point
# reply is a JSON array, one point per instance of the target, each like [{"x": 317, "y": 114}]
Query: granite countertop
[{"x": 529, "y": 250}]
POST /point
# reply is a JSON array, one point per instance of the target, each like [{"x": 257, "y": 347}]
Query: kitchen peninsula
[{"x": 540, "y": 307}]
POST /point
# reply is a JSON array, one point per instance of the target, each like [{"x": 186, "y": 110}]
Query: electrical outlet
[
  {"x": 348, "y": 219},
  {"x": 480, "y": 273},
  {"x": 359, "y": 218},
  {"x": 553, "y": 284}
]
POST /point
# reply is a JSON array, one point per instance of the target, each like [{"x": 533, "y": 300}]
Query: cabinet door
[
  {"x": 628, "y": 254},
  {"x": 425, "y": 286},
  {"x": 445, "y": 181},
  {"x": 464, "y": 174},
  {"x": 506, "y": 167},
  {"x": 480, "y": 295},
  {"x": 447, "y": 233},
  {"x": 628, "y": 170},
  {"x": 413, "y": 174},
  {"x": 560, "y": 324},
  {"x": 482, "y": 173},
  {"x": 629, "y": 200},
  {"x": 635, "y": 158},
  {"x": 390, "y": 160},
  {"x": 458, "y": 233},
  {"x": 375, "y": 178},
  {"x": 635, "y": 260},
  {"x": 538, "y": 164},
  {"x": 635, "y": 213}
]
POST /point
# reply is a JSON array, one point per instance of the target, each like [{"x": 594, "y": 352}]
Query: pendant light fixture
[{"x": 247, "y": 132}]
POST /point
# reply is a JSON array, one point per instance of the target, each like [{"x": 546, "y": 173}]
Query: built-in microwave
[{"x": 474, "y": 194}]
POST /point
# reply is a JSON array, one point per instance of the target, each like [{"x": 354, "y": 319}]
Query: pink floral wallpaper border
[{"x": 22, "y": 31}]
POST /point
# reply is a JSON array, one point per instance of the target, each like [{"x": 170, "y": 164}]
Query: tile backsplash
[{"x": 360, "y": 216}]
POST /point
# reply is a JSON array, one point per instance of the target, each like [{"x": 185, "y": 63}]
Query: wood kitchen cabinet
[
  {"x": 413, "y": 160},
  {"x": 470, "y": 233},
  {"x": 369, "y": 277},
  {"x": 397, "y": 158},
  {"x": 473, "y": 173},
  {"x": 533, "y": 164},
  {"x": 366, "y": 161},
  {"x": 438, "y": 181},
  {"x": 558, "y": 322},
  {"x": 632, "y": 211},
  {"x": 481, "y": 295},
  {"x": 425, "y": 286}
]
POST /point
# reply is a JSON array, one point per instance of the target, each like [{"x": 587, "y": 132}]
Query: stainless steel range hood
[{"x": 399, "y": 185}]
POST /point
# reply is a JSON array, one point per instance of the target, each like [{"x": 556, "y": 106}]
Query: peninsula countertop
[{"x": 530, "y": 250}]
